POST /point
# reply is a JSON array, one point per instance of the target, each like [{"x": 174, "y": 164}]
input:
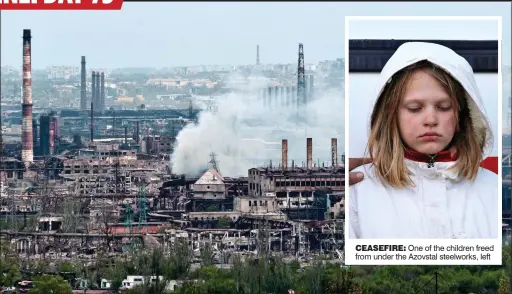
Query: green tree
[
  {"x": 154, "y": 266},
  {"x": 66, "y": 267},
  {"x": 51, "y": 285},
  {"x": 116, "y": 274},
  {"x": 224, "y": 223},
  {"x": 504, "y": 284},
  {"x": 180, "y": 258},
  {"x": 207, "y": 255},
  {"x": 9, "y": 274}
]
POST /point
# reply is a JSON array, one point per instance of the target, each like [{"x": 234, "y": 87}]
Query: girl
[{"x": 428, "y": 136}]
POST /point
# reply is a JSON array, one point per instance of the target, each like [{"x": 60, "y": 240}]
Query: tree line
[{"x": 254, "y": 274}]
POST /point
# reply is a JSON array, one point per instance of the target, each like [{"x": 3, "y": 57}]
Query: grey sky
[{"x": 177, "y": 34}]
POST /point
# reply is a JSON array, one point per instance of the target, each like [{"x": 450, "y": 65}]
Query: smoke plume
[{"x": 244, "y": 133}]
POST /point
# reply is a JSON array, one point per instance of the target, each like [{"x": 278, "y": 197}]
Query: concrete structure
[
  {"x": 334, "y": 152},
  {"x": 256, "y": 204},
  {"x": 157, "y": 144},
  {"x": 284, "y": 156},
  {"x": 309, "y": 153},
  {"x": 51, "y": 137},
  {"x": 210, "y": 186},
  {"x": 44, "y": 135},
  {"x": 50, "y": 224},
  {"x": 27, "y": 152}
]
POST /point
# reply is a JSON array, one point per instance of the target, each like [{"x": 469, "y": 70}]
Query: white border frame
[{"x": 350, "y": 243}]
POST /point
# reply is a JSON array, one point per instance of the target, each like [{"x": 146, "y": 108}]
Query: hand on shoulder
[{"x": 356, "y": 177}]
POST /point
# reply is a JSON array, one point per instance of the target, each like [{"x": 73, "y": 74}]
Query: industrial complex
[{"x": 97, "y": 178}]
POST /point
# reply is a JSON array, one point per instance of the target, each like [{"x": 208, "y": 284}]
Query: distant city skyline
[{"x": 159, "y": 35}]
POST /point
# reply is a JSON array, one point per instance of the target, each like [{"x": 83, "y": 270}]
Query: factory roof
[
  {"x": 210, "y": 177},
  {"x": 302, "y": 171}
]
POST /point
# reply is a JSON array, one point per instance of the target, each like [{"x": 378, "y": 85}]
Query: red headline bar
[
  {"x": 491, "y": 163},
  {"x": 61, "y": 4}
]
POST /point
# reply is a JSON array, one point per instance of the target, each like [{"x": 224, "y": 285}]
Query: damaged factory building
[
  {"x": 302, "y": 192},
  {"x": 295, "y": 209}
]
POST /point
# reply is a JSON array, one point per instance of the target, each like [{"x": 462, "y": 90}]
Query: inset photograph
[{"x": 423, "y": 102}]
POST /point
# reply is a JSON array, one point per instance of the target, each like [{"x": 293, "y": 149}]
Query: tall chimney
[
  {"x": 27, "y": 153},
  {"x": 51, "y": 137},
  {"x": 276, "y": 95},
  {"x": 57, "y": 126},
  {"x": 334, "y": 152},
  {"x": 97, "y": 102},
  {"x": 93, "y": 92},
  {"x": 92, "y": 121},
  {"x": 283, "y": 97},
  {"x": 83, "y": 86},
  {"x": 102, "y": 91},
  {"x": 309, "y": 147},
  {"x": 257, "y": 54},
  {"x": 137, "y": 133},
  {"x": 126, "y": 134},
  {"x": 289, "y": 96},
  {"x": 284, "y": 156},
  {"x": 269, "y": 97}
]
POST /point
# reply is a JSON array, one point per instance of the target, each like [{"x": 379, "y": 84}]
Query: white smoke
[{"x": 244, "y": 133}]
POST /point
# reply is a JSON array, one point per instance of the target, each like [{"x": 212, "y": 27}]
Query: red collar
[{"x": 443, "y": 156}]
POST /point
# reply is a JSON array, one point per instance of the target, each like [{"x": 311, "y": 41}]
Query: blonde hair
[{"x": 385, "y": 146}]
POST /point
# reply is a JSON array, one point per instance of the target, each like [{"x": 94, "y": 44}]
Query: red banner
[{"x": 61, "y": 4}]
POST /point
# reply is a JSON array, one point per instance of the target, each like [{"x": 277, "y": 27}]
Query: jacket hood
[{"x": 454, "y": 64}]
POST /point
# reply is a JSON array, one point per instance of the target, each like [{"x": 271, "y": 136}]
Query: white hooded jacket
[{"x": 441, "y": 204}]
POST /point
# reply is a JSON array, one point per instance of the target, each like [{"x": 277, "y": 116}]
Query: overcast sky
[{"x": 179, "y": 34}]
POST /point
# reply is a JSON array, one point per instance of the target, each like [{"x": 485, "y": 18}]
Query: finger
[
  {"x": 355, "y": 177},
  {"x": 355, "y": 162}
]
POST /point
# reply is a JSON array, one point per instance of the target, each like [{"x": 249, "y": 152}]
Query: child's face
[{"x": 426, "y": 115}]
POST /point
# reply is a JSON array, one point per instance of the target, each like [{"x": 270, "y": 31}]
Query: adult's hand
[{"x": 356, "y": 177}]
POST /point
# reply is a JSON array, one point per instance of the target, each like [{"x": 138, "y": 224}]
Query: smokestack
[
  {"x": 93, "y": 91},
  {"x": 284, "y": 156},
  {"x": 269, "y": 97},
  {"x": 137, "y": 133},
  {"x": 309, "y": 147},
  {"x": 51, "y": 137},
  {"x": 102, "y": 91},
  {"x": 126, "y": 134},
  {"x": 92, "y": 121},
  {"x": 27, "y": 153},
  {"x": 97, "y": 102},
  {"x": 83, "y": 86},
  {"x": 257, "y": 54},
  {"x": 334, "y": 152},
  {"x": 288, "y": 95},
  {"x": 56, "y": 126},
  {"x": 283, "y": 96},
  {"x": 276, "y": 96}
]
